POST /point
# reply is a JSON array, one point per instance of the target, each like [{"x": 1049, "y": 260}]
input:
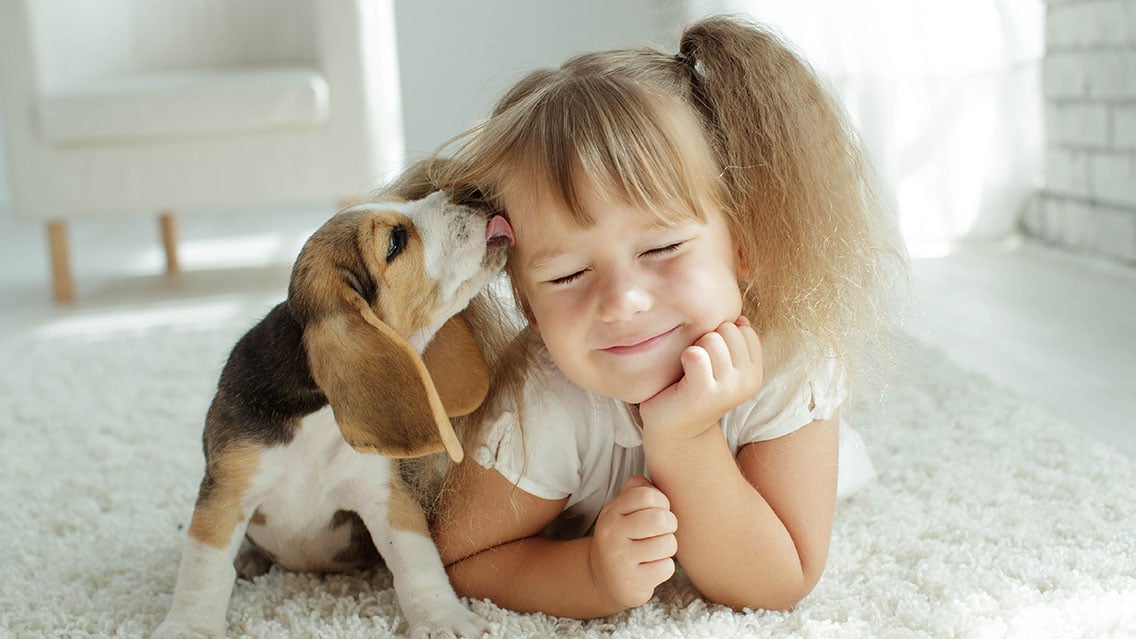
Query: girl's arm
[
  {"x": 487, "y": 532},
  {"x": 753, "y": 532}
]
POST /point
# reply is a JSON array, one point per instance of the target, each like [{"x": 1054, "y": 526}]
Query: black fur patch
[
  {"x": 266, "y": 386},
  {"x": 361, "y": 551}
]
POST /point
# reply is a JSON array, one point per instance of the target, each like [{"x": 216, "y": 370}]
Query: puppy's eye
[{"x": 397, "y": 243}]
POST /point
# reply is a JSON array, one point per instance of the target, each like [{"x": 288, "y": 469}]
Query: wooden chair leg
[
  {"x": 63, "y": 286},
  {"x": 168, "y": 222}
]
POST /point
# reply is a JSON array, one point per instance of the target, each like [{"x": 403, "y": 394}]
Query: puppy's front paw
[
  {"x": 453, "y": 621},
  {"x": 172, "y": 629}
]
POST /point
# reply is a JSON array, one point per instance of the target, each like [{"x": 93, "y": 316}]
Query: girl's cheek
[{"x": 547, "y": 312}]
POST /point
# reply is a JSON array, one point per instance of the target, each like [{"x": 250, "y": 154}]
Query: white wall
[
  {"x": 6, "y": 213},
  {"x": 457, "y": 58},
  {"x": 945, "y": 96},
  {"x": 1088, "y": 202}
]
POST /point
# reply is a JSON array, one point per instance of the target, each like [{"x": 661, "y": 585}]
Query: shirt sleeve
[
  {"x": 828, "y": 389},
  {"x": 790, "y": 397},
  {"x": 535, "y": 446}
]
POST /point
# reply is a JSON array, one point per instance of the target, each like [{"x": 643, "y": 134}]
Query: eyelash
[
  {"x": 567, "y": 279},
  {"x": 662, "y": 250}
]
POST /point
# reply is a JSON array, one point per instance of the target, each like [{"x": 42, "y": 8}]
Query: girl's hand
[
  {"x": 721, "y": 370},
  {"x": 633, "y": 544}
]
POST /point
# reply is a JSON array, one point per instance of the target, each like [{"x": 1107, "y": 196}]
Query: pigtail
[{"x": 799, "y": 193}]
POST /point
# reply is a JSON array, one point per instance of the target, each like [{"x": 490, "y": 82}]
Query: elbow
[
  {"x": 761, "y": 594},
  {"x": 787, "y": 599},
  {"x": 782, "y": 600}
]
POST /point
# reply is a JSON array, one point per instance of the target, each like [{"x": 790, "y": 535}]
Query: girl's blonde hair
[{"x": 735, "y": 122}]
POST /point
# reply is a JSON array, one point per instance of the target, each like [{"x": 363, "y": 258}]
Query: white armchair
[{"x": 127, "y": 107}]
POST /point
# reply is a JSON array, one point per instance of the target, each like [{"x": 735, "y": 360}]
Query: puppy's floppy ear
[
  {"x": 457, "y": 367},
  {"x": 378, "y": 386}
]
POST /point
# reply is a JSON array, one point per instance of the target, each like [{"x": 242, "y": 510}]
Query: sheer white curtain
[{"x": 945, "y": 94}]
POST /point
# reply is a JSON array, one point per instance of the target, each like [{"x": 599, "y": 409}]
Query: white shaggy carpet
[{"x": 990, "y": 518}]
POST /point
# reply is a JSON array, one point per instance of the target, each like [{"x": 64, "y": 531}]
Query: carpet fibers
[{"x": 990, "y": 518}]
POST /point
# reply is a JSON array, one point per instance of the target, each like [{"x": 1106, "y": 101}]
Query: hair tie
[{"x": 689, "y": 62}]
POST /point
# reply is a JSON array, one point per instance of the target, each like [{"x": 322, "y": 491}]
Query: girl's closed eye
[
  {"x": 668, "y": 248},
  {"x": 567, "y": 279},
  {"x": 665, "y": 249}
]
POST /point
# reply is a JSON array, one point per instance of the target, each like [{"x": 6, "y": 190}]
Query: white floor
[{"x": 1055, "y": 328}]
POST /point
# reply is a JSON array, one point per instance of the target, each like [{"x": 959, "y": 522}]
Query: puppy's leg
[
  {"x": 399, "y": 530},
  {"x": 204, "y": 585},
  {"x": 205, "y": 579},
  {"x": 251, "y": 562}
]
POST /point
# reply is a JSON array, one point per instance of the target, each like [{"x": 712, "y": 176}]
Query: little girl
[{"x": 698, "y": 254}]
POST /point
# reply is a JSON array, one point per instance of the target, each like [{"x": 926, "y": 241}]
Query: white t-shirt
[{"x": 584, "y": 446}]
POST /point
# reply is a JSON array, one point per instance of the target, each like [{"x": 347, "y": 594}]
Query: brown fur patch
[
  {"x": 357, "y": 311},
  {"x": 408, "y": 299},
  {"x": 457, "y": 367},
  {"x": 317, "y": 278},
  {"x": 377, "y": 386},
  {"x": 227, "y": 478},
  {"x": 258, "y": 518},
  {"x": 403, "y": 510},
  {"x": 355, "y": 242}
]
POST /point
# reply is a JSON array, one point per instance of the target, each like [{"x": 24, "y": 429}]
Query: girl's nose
[{"x": 621, "y": 298}]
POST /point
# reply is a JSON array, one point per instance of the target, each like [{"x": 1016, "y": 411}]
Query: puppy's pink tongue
[{"x": 499, "y": 227}]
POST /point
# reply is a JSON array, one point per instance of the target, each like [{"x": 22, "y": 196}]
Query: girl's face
[{"x": 617, "y": 303}]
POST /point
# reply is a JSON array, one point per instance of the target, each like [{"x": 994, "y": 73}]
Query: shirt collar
[
  {"x": 629, "y": 430},
  {"x": 625, "y": 418}
]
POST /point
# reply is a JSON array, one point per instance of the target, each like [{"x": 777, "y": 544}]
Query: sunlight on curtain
[{"x": 945, "y": 94}]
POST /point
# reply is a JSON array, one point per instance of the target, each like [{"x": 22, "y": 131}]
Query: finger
[
  {"x": 696, "y": 365},
  {"x": 656, "y": 548},
  {"x": 635, "y": 499},
  {"x": 636, "y": 481},
  {"x": 657, "y": 572},
  {"x": 752, "y": 340},
  {"x": 715, "y": 346},
  {"x": 736, "y": 343},
  {"x": 650, "y": 523},
  {"x": 651, "y": 551}
]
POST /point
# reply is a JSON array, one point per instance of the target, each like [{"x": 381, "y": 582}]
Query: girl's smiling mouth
[{"x": 637, "y": 345}]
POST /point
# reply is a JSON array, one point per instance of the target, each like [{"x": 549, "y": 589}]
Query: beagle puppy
[{"x": 319, "y": 400}]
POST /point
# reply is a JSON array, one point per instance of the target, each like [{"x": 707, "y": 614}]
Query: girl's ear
[
  {"x": 744, "y": 267},
  {"x": 532, "y": 323},
  {"x": 523, "y": 303}
]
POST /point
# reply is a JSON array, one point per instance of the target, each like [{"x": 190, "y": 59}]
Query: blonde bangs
[{"x": 571, "y": 137}]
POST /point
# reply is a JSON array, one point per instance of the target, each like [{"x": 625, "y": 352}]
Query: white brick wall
[
  {"x": 1089, "y": 199},
  {"x": 1124, "y": 127}
]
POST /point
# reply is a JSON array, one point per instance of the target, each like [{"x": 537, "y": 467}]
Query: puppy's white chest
[{"x": 309, "y": 485}]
